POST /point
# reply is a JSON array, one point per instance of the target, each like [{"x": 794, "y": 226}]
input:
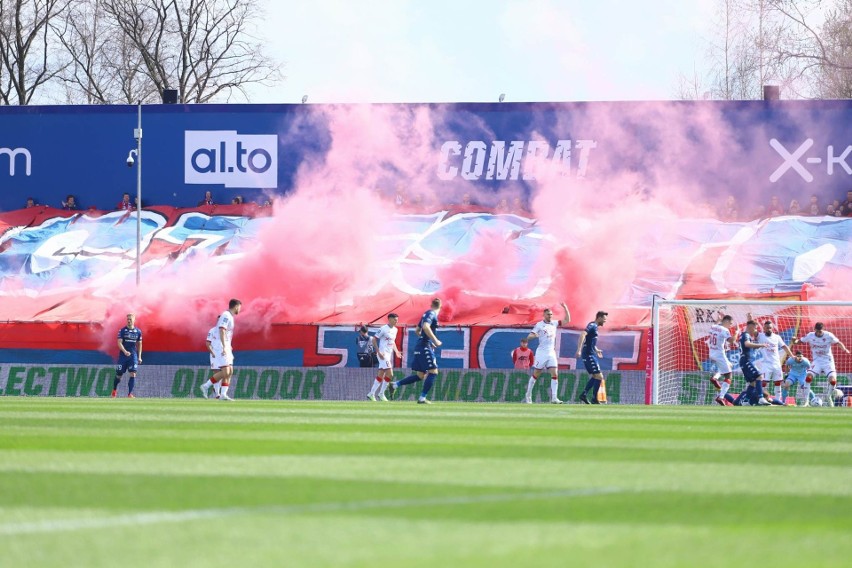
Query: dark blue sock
[
  {"x": 427, "y": 385},
  {"x": 130, "y": 384},
  {"x": 596, "y": 386},
  {"x": 115, "y": 383},
  {"x": 410, "y": 379},
  {"x": 589, "y": 384},
  {"x": 755, "y": 395},
  {"x": 730, "y": 398}
]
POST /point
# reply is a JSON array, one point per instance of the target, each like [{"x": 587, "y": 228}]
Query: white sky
[{"x": 473, "y": 50}]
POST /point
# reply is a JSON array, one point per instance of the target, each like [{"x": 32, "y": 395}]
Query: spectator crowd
[{"x": 731, "y": 211}]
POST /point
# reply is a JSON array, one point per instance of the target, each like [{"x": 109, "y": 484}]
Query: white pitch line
[{"x": 157, "y": 517}]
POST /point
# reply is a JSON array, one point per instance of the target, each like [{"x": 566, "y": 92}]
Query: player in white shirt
[
  {"x": 822, "y": 359},
  {"x": 384, "y": 342},
  {"x": 772, "y": 363},
  {"x": 719, "y": 341},
  {"x": 211, "y": 341},
  {"x": 224, "y": 353},
  {"x": 545, "y": 353}
]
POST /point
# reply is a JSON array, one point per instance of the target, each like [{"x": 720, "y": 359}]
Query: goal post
[{"x": 682, "y": 368}]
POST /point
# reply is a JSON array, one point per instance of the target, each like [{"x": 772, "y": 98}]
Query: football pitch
[{"x": 100, "y": 482}]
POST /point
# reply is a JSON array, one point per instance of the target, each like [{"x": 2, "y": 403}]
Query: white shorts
[
  {"x": 772, "y": 373},
  {"x": 723, "y": 365},
  {"x": 220, "y": 360},
  {"x": 825, "y": 367},
  {"x": 387, "y": 362},
  {"x": 545, "y": 361}
]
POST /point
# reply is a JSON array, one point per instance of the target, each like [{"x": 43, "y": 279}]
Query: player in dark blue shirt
[
  {"x": 587, "y": 348},
  {"x": 753, "y": 377},
  {"x": 424, "y": 362},
  {"x": 130, "y": 355}
]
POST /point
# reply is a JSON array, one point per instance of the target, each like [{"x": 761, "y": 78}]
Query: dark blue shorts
[
  {"x": 593, "y": 366},
  {"x": 424, "y": 359},
  {"x": 750, "y": 372},
  {"x": 126, "y": 365}
]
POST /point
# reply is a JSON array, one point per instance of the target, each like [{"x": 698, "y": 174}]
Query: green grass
[{"x": 91, "y": 482}]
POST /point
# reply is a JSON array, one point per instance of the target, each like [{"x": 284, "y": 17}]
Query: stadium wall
[
  {"x": 464, "y": 347},
  {"x": 254, "y": 150},
  {"x": 303, "y": 383}
]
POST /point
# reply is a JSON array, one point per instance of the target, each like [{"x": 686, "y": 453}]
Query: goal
[{"x": 681, "y": 365}]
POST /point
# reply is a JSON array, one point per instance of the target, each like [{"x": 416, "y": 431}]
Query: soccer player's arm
[
  {"x": 426, "y": 327},
  {"x": 580, "y": 342},
  {"x": 567, "y": 319},
  {"x": 514, "y": 355},
  {"x": 139, "y": 349},
  {"x": 375, "y": 343},
  {"x": 840, "y": 343},
  {"x": 121, "y": 347},
  {"x": 210, "y": 347},
  {"x": 222, "y": 338},
  {"x": 532, "y": 358}
]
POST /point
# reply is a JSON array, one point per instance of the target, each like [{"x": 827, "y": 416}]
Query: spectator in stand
[
  {"x": 775, "y": 209},
  {"x": 238, "y": 200},
  {"x": 208, "y": 199},
  {"x": 70, "y": 204},
  {"x": 399, "y": 198},
  {"x": 518, "y": 207},
  {"x": 794, "y": 208},
  {"x": 125, "y": 204},
  {"x": 730, "y": 211},
  {"x": 812, "y": 209},
  {"x": 30, "y": 202},
  {"x": 830, "y": 209},
  {"x": 846, "y": 206},
  {"x": 502, "y": 206}
]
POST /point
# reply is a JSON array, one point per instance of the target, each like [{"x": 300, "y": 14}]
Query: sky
[{"x": 351, "y": 51}]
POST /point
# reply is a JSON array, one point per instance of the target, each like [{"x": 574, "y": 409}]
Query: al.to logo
[
  {"x": 793, "y": 160},
  {"x": 232, "y": 159},
  {"x": 13, "y": 154}
]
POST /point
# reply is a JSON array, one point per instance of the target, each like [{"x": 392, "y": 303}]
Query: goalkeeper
[{"x": 797, "y": 374}]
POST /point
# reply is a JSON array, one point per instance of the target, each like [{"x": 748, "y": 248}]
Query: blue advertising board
[{"x": 781, "y": 148}]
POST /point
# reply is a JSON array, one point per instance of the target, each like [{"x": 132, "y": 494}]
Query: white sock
[
  {"x": 725, "y": 386},
  {"x": 223, "y": 391},
  {"x": 376, "y": 384},
  {"x": 206, "y": 385},
  {"x": 217, "y": 386},
  {"x": 778, "y": 392},
  {"x": 530, "y": 386},
  {"x": 554, "y": 389},
  {"x": 384, "y": 387},
  {"x": 807, "y": 391}
]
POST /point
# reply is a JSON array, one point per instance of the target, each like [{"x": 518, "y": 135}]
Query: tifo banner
[
  {"x": 253, "y": 150},
  {"x": 52, "y": 255},
  {"x": 305, "y": 383}
]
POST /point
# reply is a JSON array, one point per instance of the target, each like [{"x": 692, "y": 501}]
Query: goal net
[{"x": 682, "y": 366}]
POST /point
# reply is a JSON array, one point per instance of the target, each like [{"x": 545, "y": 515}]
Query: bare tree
[
  {"x": 823, "y": 47},
  {"x": 202, "y": 48},
  {"x": 105, "y": 67},
  {"x": 28, "y": 56},
  {"x": 743, "y": 53}
]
